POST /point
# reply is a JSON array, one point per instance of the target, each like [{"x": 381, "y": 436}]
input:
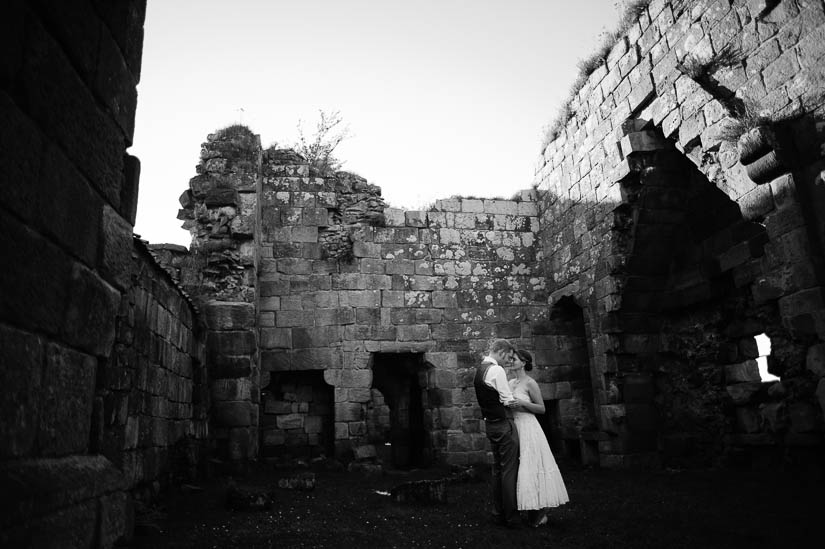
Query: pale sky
[{"x": 442, "y": 97}]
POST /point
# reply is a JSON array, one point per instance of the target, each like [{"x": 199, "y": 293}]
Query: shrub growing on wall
[{"x": 319, "y": 149}]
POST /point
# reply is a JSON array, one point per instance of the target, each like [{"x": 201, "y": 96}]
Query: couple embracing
[{"x": 525, "y": 474}]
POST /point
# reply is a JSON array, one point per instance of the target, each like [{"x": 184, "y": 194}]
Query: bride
[{"x": 539, "y": 485}]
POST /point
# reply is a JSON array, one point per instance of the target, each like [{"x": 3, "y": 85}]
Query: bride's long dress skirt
[{"x": 539, "y": 481}]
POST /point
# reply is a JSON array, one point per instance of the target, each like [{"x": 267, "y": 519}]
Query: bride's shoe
[{"x": 541, "y": 520}]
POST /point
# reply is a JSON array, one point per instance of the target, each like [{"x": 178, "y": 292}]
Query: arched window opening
[{"x": 763, "y": 344}]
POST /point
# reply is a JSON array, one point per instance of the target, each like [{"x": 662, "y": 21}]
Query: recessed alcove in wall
[
  {"x": 569, "y": 416},
  {"x": 297, "y": 416},
  {"x": 396, "y": 423}
]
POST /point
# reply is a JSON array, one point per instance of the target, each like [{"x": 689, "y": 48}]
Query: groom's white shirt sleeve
[{"x": 496, "y": 378}]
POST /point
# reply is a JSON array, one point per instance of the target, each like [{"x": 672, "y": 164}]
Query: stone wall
[
  {"x": 150, "y": 415},
  {"x": 340, "y": 279},
  {"x": 343, "y": 279},
  {"x": 68, "y": 76},
  {"x": 103, "y": 394},
  {"x": 681, "y": 246}
]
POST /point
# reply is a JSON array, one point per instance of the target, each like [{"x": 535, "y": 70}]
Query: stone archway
[{"x": 693, "y": 270}]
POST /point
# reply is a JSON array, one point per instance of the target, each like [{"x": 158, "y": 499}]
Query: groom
[{"x": 494, "y": 397}]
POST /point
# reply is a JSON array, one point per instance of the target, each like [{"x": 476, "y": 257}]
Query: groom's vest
[{"x": 488, "y": 400}]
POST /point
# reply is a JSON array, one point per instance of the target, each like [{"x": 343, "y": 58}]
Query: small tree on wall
[{"x": 319, "y": 148}]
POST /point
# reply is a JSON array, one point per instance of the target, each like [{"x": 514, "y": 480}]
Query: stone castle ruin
[{"x": 309, "y": 318}]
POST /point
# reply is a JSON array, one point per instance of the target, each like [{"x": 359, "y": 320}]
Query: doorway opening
[
  {"x": 297, "y": 420},
  {"x": 401, "y": 379},
  {"x": 570, "y": 417}
]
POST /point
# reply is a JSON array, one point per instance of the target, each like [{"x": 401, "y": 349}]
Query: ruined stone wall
[
  {"x": 681, "y": 246},
  {"x": 150, "y": 416},
  {"x": 220, "y": 209},
  {"x": 348, "y": 287},
  {"x": 68, "y": 76}
]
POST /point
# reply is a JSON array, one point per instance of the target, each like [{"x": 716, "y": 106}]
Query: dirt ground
[{"x": 610, "y": 509}]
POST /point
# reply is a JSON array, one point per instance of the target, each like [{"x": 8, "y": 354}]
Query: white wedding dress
[{"x": 539, "y": 480}]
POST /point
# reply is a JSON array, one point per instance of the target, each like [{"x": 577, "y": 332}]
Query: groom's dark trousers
[{"x": 504, "y": 441}]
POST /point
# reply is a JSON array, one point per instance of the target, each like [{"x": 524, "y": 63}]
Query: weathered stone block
[
  {"x": 348, "y": 411},
  {"x": 415, "y": 219},
  {"x": 215, "y": 198},
  {"x": 290, "y": 421},
  {"x": 224, "y": 315},
  {"x": 742, "y": 372},
  {"x": 321, "y": 336},
  {"x": 73, "y": 213},
  {"x": 316, "y": 359},
  {"x": 68, "y": 113},
  {"x": 366, "y": 249},
  {"x": 444, "y": 299},
  {"x": 287, "y": 319},
  {"x": 242, "y": 443},
  {"x": 805, "y": 418},
  {"x": 21, "y": 371},
  {"x": 459, "y": 442},
  {"x": 805, "y": 301},
  {"x": 90, "y": 315},
  {"x": 775, "y": 415},
  {"x": 641, "y": 92},
  {"x": 815, "y": 359},
  {"x": 234, "y": 413},
  {"x": 372, "y": 266},
  {"x": 231, "y": 389},
  {"x": 745, "y": 393},
  {"x": 355, "y": 378},
  {"x": 748, "y": 419},
  {"x": 442, "y": 360},
  {"x": 371, "y": 315},
  {"x": 116, "y": 518},
  {"x": 612, "y": 418},
  {"x": 358, "y": 429},
  {"x": 276, "y": 338},
  {"x": 235, "y": 343},
  {"x": 359, "y": 394},
  {"x": 224, "y": 366},
  {"x": 361, "y": 298},
  {"x": 392, "y": 298},
  {"x": 66, "y": 401},
  {"x": 820, "y": 395},
  {"x": 275, "y": 361},
  {"x": 445, "y": 379},
  {"x": 394, "y": 217},
  {"x": 416, "y": 332},
  {"x": 294, "y": 266},
  {"x": 401, "y": 267}
]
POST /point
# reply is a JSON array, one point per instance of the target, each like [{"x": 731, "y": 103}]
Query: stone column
[
  {"x": 233, "y": 379},
  {"x": 219, "y": 209}
]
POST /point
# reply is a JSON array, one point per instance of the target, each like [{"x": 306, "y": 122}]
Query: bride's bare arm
[{"x": 536, "y": 404}]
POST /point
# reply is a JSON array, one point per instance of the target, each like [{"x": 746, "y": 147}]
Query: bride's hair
[{"x": 527, "y": 358}]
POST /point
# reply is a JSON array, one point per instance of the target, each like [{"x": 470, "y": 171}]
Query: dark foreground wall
[{"x": 98, "y": 348}]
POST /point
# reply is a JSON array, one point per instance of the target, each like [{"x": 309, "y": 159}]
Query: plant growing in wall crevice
[
  {"x": 632, "y": 11},
  {"x": 702, "y": 71},
  {"x": 233, "y": 131}
]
